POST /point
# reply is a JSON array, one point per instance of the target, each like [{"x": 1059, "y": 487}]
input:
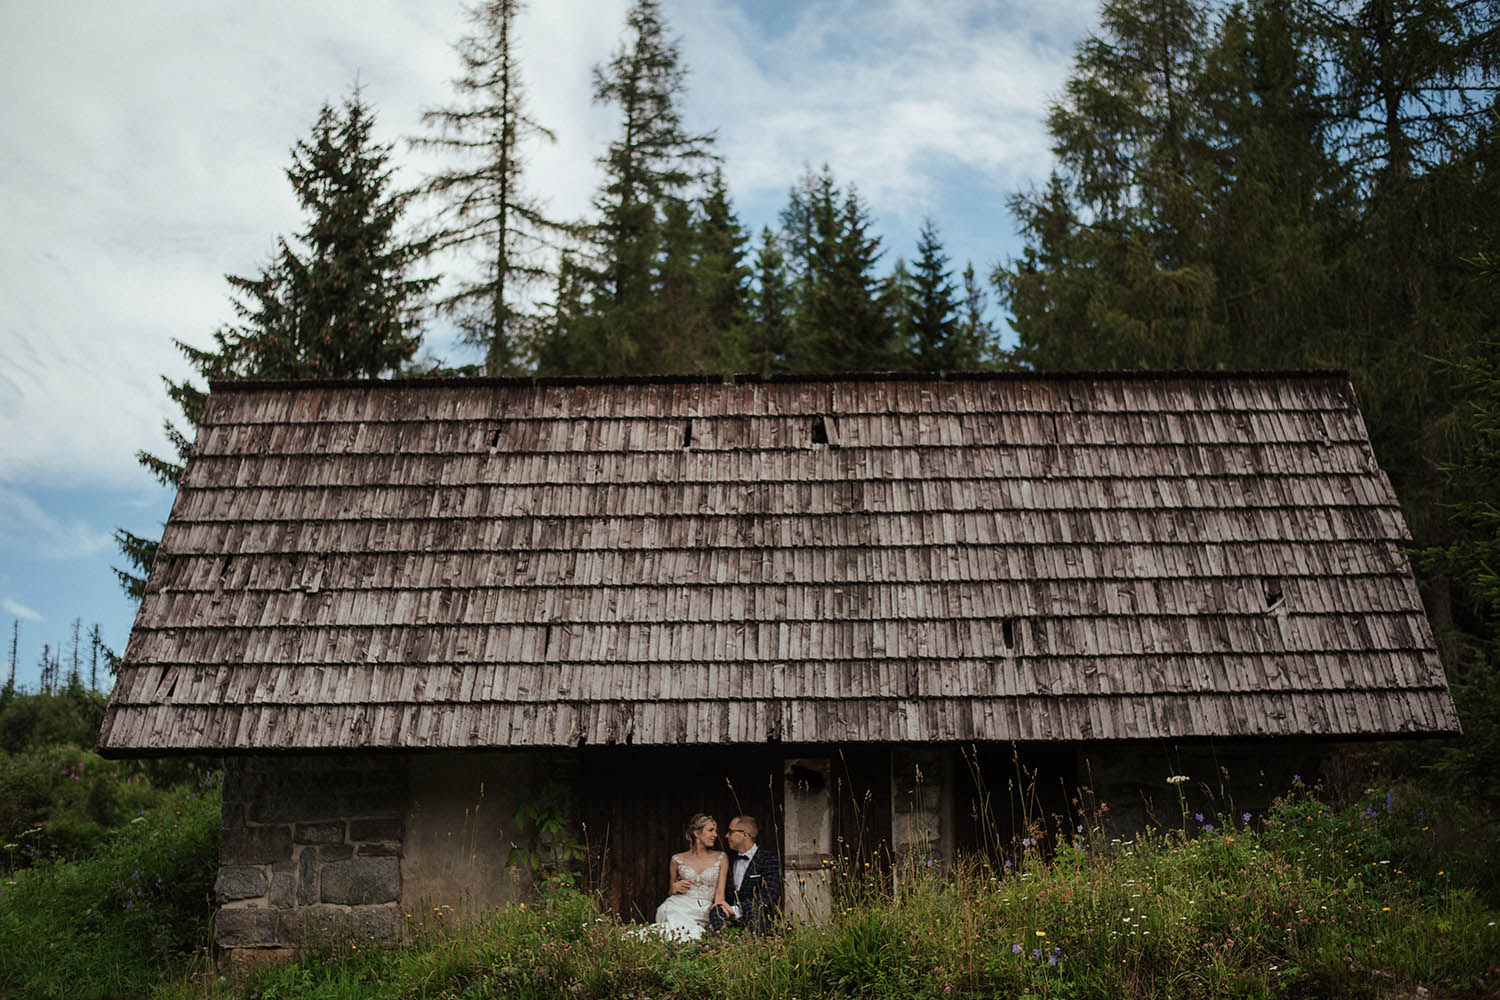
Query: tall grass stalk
[{"x": 1306, "y": 901}]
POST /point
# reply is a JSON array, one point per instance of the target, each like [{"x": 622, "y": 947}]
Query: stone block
[
  {"x": 319, "y": 833},
  {"x": 245, "y": 927},
  {"x": 294, "y": 797},
  {"x": 380, "y": 849},
  {"x": 335, "y": 852},
  {"x": 238, "y": 785},
  {"x": 239, "y": 963},
  {"x": 283, "y": 890},
  {"x": 325, "y": 924},
  {"x": 240, "y": 882},
  {"x": 307, "y": 877},
  {"x": 380, "y": 923},
  {"x": 375, "y": 829},
  {"x": 314, "y": 925},
  {"x": 255, "y": 845},
  {"x": 361, "y": 881}
]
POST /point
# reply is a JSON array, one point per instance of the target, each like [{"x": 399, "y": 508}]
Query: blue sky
[{"x": 145, "y": 144}]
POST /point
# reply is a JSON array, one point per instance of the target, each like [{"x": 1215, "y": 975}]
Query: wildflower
[
  {"x": 1208, "y": 827},
  {"x": 1015, "y": 949},
  {"x": 1036, "y": 953},
  {"x": 1198, "y": 817},
  {"x": 1028, "y": 842},
  {"x": 1080, "y": 828},
  {"x": 1051, "y": 959},
  {"x": 1244, "y": 817},
  {"x": 1177, "y": 779},
  {"x": 1007, "y": 862},
  {"x": 1041, "y": 933}
]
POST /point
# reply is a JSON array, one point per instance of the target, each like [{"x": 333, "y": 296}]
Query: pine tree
[
  {"x": 335, "y": 303},
  {"x": 652, "y": 164},
  {"x": 842, "y": 322},
  {"x": 933, "y": 330},
  {"x": 722, "y": 278},
  {"x": 488, "y": 210},
  {"x": 768, "y": 339},
  {"x": 1114, "y": 272},
  {"x": 9, "y": 690},
  {"x": 96, "y": 642},
  {"x": 975, "y": 345}
]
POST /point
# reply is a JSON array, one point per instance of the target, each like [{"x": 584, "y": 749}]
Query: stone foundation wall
[{"x": 310, "y": 851}]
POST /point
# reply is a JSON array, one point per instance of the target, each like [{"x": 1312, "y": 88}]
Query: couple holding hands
[{"x": 709, "y": 889}]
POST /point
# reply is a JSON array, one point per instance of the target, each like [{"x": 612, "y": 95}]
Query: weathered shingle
[{"x": 514, "y": 563}]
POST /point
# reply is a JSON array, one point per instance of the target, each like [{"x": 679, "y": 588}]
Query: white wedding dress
[{"x": 684, "y": 915}]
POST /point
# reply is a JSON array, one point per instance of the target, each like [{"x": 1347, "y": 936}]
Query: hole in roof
[
  {"x": 1274, "y": 595},
  {"x": 1008, "y": 634},
  {"x": 687, "y": 434},
  {"x": 819, "y": 431},
  {"x": 495, "y": 439}
]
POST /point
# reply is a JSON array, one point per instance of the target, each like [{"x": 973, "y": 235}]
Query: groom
[{"x": 753, "y": 888}]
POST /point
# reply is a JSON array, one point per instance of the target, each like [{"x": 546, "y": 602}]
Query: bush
[
  {"x": 62, "y": 803},
  {"x": 112, "y": 924}
]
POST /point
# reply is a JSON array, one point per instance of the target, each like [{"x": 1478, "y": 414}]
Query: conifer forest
[{"x": 1257, "y": 185}]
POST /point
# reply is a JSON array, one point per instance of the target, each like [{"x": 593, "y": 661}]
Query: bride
[{"x": 695, "y": 880}]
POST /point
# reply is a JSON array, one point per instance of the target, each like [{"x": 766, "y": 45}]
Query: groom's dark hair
[{"x": 752, "y": 828}]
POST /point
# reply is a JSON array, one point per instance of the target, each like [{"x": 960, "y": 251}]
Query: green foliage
[
  {"x": 335, "y": 302},
  {"x": 114, "y": 923},
  {"x": 69, "y": 716},
  {"x": 550, "y": 841},
  {"x": 487, "y": 209},
  {"x": 1284, "y": 905}
]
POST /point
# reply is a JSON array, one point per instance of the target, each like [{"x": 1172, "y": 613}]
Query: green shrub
[
  {"x": 113, "y": 924},
  {"x": 63, "y": 802}
]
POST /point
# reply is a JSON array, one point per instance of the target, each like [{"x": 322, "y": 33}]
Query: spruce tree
[
  {"x": 842, "y": 320},
  {"x": 1114, "y": 272},
  {"x": 975, "y": 345},
  {"x": 336, "y": 301},
  {"x": 722, "y": 278},
  {"x": 489, "y": 215},
  {"x": 769, "y": 332},
  {"x": 933, "y": 331},
  {"x": 652, "y": 163}
]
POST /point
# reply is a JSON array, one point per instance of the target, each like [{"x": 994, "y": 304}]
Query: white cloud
[
  {"x": 26, "y": 527},
  {"x": 19, "y": 610},
  {"x": 145, "y": 144}
]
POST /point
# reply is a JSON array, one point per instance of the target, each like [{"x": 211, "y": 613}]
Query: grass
[
  {"x": 116, "y": 923},
  {"x": 1370, "y": 900},
  {"x": 1307, "y": 901}
]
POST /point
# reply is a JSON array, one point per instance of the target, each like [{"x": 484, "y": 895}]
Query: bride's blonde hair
[{"x": 698, "y": 822}]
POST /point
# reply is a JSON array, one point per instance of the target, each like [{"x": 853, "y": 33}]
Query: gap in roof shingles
[
  {"x": 1274, "y": 595},
  {"x": 819, "y": 431},
  {"x": 687, "y": 434}
]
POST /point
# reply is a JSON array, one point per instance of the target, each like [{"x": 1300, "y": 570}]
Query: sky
[{"x": 144, "y": 153}]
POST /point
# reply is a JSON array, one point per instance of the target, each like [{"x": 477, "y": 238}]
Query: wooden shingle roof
[{"x": 503, "y": 563}]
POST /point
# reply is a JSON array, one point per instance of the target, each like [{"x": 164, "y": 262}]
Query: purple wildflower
[
  {"x": 1051, "y": 959},
  {"x": 1244, "y": 817},
  {"x": 1080, "y": 828},
  {"x": 1198, "y": 817},
  {"x": 1208, "y": 828},
  {"x": 1036, "y": 953}
]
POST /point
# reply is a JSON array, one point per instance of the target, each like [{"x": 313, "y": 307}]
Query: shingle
[{"x": 495, "y": 563}]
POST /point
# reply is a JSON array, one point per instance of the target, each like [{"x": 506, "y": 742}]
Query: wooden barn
[{"x": 404, "y": 612}]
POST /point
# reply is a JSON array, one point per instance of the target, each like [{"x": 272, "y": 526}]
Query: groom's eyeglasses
[{"x": 733, "y": 830}]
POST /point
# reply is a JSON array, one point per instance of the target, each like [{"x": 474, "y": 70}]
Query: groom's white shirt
[{"x": 742, "y": 865}]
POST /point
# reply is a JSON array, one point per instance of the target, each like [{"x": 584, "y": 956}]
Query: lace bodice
[{"x": 701, "y": 885}]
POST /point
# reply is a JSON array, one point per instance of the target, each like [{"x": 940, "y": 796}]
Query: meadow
[{"x": 1375, "y": 898}]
